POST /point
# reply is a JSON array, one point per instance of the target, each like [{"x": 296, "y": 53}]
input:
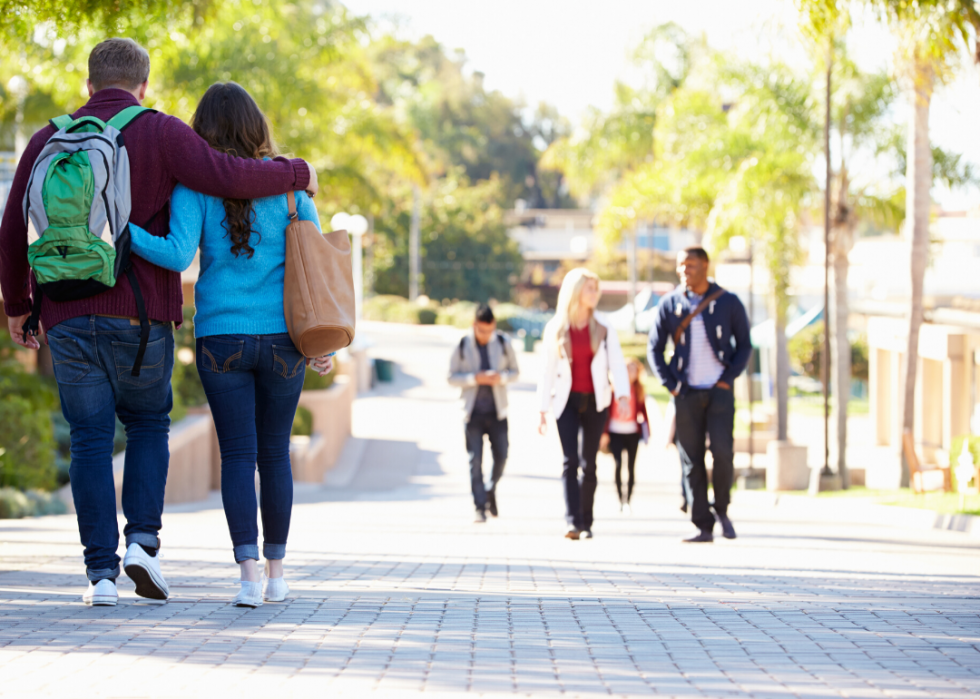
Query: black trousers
[
  {"x": 580, "y": 415},
  {"x": 485, "y": 424},
  {"x": 701, "y": 414},
  {"x": 617, "y": 444}
]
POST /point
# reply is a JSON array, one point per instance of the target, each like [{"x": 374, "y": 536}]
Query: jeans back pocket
[
  {"x": 287, "y": 361},
  {"x": 70, "y": 363},
  {"x": 219, "y": 355},
  {"x": 152, "y": 368}
]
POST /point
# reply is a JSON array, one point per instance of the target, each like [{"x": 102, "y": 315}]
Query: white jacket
[{"x": 556, "y": 378}]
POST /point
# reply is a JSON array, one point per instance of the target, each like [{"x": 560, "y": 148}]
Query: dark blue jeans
[
  {"x": 253, "y": 384},
  {"x": 706, "y": 413},
  {"x": 93, "y": 357},
  {"x": 580, "y": 415},
  {"x": 496, "y": 430}
]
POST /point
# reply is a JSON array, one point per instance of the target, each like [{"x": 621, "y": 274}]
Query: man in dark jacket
[
  {"x": 95, "y": 341},
  {"x": 711, "y": 349}
]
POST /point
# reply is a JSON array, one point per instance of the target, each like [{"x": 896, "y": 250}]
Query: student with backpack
[
  {"x": 627, "y": 425},
  {"x": 108, "y": 315},
  {"x": 482, "y": 365}
]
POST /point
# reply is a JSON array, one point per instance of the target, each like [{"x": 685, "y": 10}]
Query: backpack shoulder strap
[
  {"x": 60, "y": 122},
  {"x": 705, "y": 302},
  {"x": 127, "y": 116},
  {"x": 503, "y": 341},
  {"x": 462, "y": 341}
]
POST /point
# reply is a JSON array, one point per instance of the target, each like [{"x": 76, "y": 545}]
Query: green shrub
[
  {"x": 459, "y": 314},
  {"x": 34, "y": 503},
  {"x": 186, "y": 382},
  {"x": 314, "y": 382},
  {"x": 806, "y": 347},
  {"x": 27, "y": 446},
  {"x": 13, "y": 504},
  {"x": 427, "y": 316},
  {"x": 45, "y": 503},
  {"x": 303, "y": 422},
  {"x": 503, "y": 312},
  {"x": 973, "y": 444}
]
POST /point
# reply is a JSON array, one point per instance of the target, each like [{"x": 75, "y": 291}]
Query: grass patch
[{"x": 947, "y": 503}]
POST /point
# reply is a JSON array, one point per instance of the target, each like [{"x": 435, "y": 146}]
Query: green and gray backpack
[{"x": 78, "y": 202}]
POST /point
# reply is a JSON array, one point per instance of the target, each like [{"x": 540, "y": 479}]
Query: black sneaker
[
  {"x": 727, "y": 530},
  {"x": 492, "y": 504},
  {"x": 479, "y": 517},
  {"x": 705, "y": 537}
]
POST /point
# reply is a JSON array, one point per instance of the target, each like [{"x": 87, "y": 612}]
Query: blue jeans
[
  {"x": 705, "y": 413},
  {"x": 477, "y": 426},
  {"x": 253, "y": 384},
  {"x": 580, "y": 415},
  {"x": 93, "y": 357}
]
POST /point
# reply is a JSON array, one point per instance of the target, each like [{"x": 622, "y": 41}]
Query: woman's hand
[
  {"x": 543, "y": 425},
  {"x": 323, "y": 365},
  {"x": 624, "y": 405}
]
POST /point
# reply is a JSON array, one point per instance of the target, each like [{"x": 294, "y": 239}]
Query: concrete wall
[{"x": 946, "y": 385}]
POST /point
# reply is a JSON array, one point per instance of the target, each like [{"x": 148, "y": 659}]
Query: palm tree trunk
[
  {"x": 840, "y": 364},
  {"x": 918, "y": 182},
  {"x": 782, "y": 374}
]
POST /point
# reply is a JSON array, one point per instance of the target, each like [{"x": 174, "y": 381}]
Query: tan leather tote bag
[{"x": 318, "y": 294}]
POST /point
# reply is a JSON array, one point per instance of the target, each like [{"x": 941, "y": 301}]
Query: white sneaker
[
  {"x": 276, "y": 589},
  {"x": 144, "y": 570},
  {"x": 249, "y": 596},
  {"x": 101, "y": 594}
]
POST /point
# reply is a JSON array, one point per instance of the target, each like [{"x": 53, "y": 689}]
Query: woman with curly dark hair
[{"x": 251, "y": 371}]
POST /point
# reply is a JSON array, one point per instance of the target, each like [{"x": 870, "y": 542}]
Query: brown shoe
[
  {"x": 572, "y": 534},
  {"x": 705, "y": 537}
]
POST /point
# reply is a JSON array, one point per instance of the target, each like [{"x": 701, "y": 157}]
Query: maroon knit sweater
[{"x": 163, "y": 151}]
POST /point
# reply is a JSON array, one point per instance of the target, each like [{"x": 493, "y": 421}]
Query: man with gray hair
[
  {"x": 98, "y": 342},
  {"x": 482, "y": 365}
]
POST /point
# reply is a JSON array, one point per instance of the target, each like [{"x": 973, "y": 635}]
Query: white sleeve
[
  {"x": 546, "y": 382},
  {"x": 617, "y": 364}
]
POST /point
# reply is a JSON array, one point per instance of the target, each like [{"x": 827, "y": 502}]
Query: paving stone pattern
[{"x": 396, "y": 592}]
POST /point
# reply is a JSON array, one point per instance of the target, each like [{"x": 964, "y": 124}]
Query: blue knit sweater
[{"x": 233, "y": 295}]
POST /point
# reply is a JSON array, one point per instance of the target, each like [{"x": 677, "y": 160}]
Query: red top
[
  {"x": 581, "y": 360},
  {"x": 629, "y": 415},
  {"x": 163, "y": 151},
  {"x": 636, "y": 408}
]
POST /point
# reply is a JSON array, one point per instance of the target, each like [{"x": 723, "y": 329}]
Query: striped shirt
[{"x": 704, "y": 369}]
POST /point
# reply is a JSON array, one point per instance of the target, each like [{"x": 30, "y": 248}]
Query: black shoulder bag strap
[
  {"x": 32, "y": 326},
  {"x": 695, "y": 313}
]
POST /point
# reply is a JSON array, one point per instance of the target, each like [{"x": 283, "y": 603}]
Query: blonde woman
[{"x": 581, "y": 350}]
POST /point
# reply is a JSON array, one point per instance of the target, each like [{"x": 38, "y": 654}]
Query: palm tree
[{"x": 929, "y": 33}]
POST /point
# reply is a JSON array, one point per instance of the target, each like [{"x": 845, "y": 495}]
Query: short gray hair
[{"x": 118, "y": 62}]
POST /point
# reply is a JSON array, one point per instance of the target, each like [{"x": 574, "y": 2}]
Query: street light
[{"x": 357, "y": 226}]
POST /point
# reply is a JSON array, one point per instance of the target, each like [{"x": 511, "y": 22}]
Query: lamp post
[{"x": 357, "y": 226}]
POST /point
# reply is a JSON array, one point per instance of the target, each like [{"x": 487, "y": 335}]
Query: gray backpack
[{"x": 78, "y": 200}]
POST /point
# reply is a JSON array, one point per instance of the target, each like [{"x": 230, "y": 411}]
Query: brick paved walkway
[{"x": 395, "y": 591}]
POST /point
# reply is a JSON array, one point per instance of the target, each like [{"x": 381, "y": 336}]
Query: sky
[{"x": 569, "y": 54}]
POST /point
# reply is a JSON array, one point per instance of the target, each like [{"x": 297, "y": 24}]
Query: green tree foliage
[
  {"x": 462, "y": 124},
  {"x": 609, "y": 146},
  {"x": 466, "y": 252}
]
